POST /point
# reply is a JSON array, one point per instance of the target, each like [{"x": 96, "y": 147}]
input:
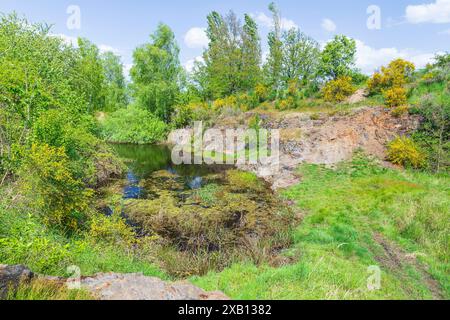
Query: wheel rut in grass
[{"x": 395, "y": 259}]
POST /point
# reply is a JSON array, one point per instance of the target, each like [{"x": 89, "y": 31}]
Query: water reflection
[{"x": 144, "y": 160}]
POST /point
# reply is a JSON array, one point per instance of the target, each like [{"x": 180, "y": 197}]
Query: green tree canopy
[
  {"x": 116, "y": 95},
  {"x": 273, "y": 68},
  {"x": 233, "y": 58},
  {"x": 301, "y": 56},
  {"x": 338, "y": 58},
  {"x": 156, "y": 73},
  {"x": 90, "y": 75}
]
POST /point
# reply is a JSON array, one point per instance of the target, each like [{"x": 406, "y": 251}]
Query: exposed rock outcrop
[
  {"x": 112, "y": 286},
  {"x": 330, "y": 139}
]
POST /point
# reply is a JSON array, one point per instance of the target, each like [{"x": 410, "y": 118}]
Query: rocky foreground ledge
[{"x": 112, "y": 286}]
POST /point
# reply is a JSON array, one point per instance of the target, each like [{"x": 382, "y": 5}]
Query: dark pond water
[{"x": 144, "y": 160}]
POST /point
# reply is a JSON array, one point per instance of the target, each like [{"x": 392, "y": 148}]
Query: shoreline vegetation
[{"x": 63, "y": 107}]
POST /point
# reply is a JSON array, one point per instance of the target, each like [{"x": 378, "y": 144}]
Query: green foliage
[
  {"x": 48, "y": 91},
  {"x": 90, "y": 76},
  {"x": 25, "y": 240},
  {"x": 301, "y": 56},
  {"x": 182, "y": 117},
  {"x": 403, "y": 151},
  {"x": 90, "y": 159},
  {"x": 52, "y": 189},
  {"x": 133, "y": 125},
  {"x": 338, "y": 90},
  {"x": 434, "y": 131},
  {"x": 273, "y": 69},
  {"x": 439, "y": 72},
  {"x": 36, "y": 72},
  {"x": 338, "y": 58},
  {"x": 113, "y": 229},
  {"x": 232, "y": 58},
  {"x": 156, "y": 74},
  {"x": 293, "y": 57},
  {"x": 116, "y": 90},
  {"x": 359, "y": 78}
]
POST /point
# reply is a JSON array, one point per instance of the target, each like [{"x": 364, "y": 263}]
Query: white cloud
[
  {"x": 369, "y": 59},
  {"x": 328, "y": 25},
  {"x": 266, "y": 21},
  {"x": 105, "y": 48},
  {"x": 196, "y": 38},
  {"x": 68, "y": 40},
  {"x": 190, "y": 64},
  {"x": 437, "y": 12}
]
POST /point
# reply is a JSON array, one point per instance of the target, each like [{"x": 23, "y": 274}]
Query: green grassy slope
[{"x": 357, "y": 216}]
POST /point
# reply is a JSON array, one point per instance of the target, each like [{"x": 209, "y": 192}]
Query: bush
[
  {"x": 359, "y": 78},
  {"x": 182, "y": 117},
  {"x": 285, "y": 104},
  {"x": 261, "y": 92},
  {"x": 338, "y": 90},
  {"x": 111, "y": 229},
  {"x": 375, "y": 84},
  {"x": 134, "y": 125},
  {"x": 395, "y": 97},
  {"x": 404, "y": 151},
  {"x": 433, "y": 134},
  {"x": 90, "y": 158},
  {"x": 397, "y": 74},
  {"x": 51, "y": 188}
]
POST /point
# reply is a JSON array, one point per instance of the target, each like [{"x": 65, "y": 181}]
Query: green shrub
[
  {"x": 111, "y": 229},
  {"x": 404, "y": 151},
  {"x": 52, "y": 189},
  {"x": 338, "y": 90},
  {"x": 433, "y": 134},
  {"x": 182, "y": 117},
  {"x": 133, "y": 125}
]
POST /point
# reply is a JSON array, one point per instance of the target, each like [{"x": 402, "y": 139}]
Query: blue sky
[{"x": 412, "y": 29}]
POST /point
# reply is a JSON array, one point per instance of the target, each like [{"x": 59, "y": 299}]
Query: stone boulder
[
  {"x": 111, "y": 286},
  {"x": 11, "y": 277}
]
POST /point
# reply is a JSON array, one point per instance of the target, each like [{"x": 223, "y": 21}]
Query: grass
[
  {"x": 43, "y": 290},
  {"x": 347, "y": 211}
]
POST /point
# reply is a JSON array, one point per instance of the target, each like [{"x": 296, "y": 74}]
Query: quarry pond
[{"x": 204, "y": 217}]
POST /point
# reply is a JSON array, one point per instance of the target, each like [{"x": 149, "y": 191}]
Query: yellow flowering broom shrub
[{"x": 404, "y": 151}]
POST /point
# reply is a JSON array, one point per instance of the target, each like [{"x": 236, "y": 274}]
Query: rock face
[
  {"x": 11, "y": 277},
  {"x": 112, "y": 286},
  {"x": 330, "y": 139}
]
